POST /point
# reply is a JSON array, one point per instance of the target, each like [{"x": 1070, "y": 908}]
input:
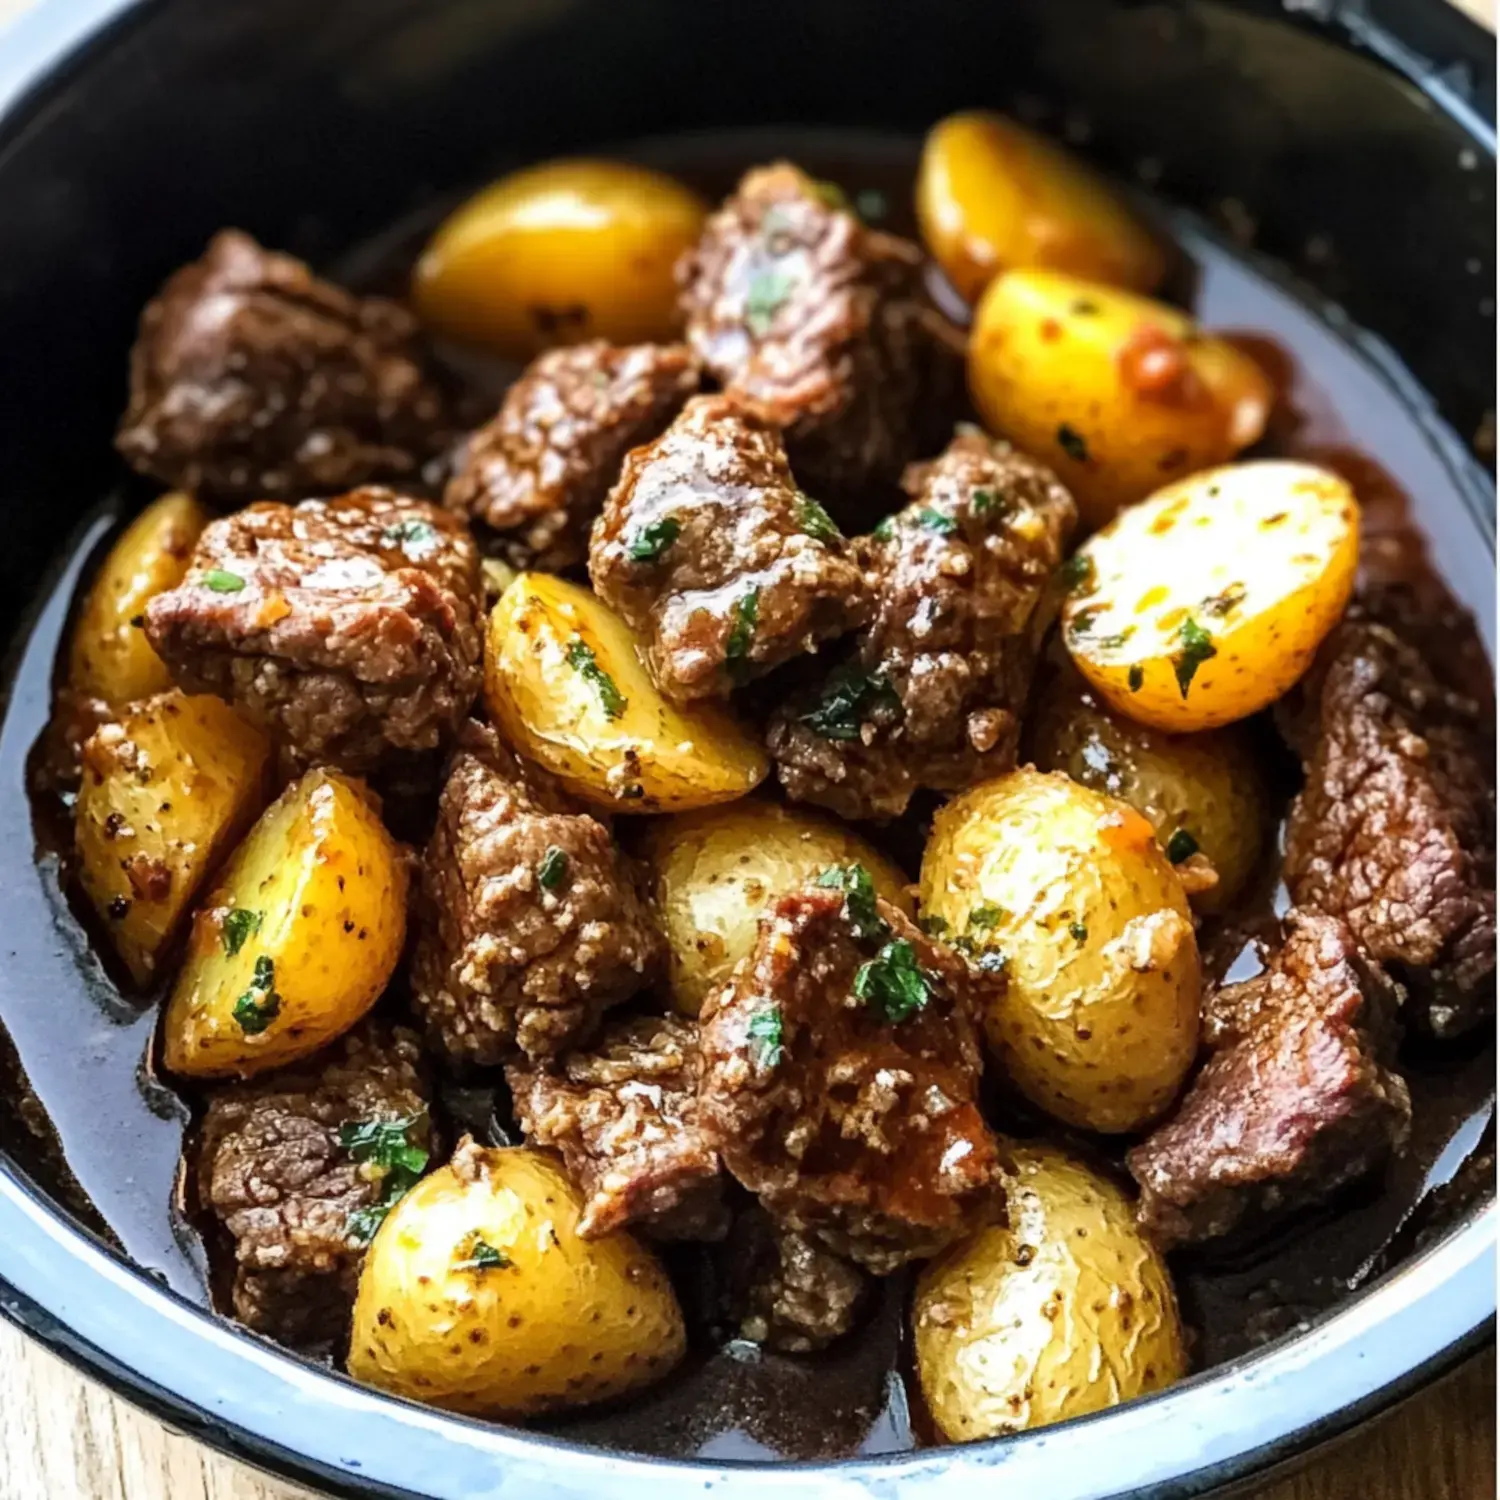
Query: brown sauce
[{"x": 81, "y": 1108}]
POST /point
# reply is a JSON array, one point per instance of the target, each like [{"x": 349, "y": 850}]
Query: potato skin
[
  {"x": 1118, "y": 393},
  {"x": 1064, "y": 1310},
  {"x": 993, "y": 196},
  {"x": 1259, "y": 559},
  {"x": 1208, "y": 784},
  {"x": 560, "y": 253},
  {"x": 1097, "y": 1020},
  {"x": 715, "y": 871},
  {"x": 166, "y": 789},
  {"x": 328, "y": 885},
  {"x": 110, "y": 657},
  {"x": 566, "y": 1322},
  {"x": 648, "y": 755}
]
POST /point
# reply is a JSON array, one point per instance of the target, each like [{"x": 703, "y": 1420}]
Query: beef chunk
[
  {"x": 624, "y": 1115},
  {"x": 793, "y": 303},
  {"x": 840, "y": 1070},
  {"x": 1295, "y": 1099},
  {"x": 349, "y": 628},
  {"x": 252, "y": 379},
  {"x": 272, "y": 1170},
  {"x": 709, "y": 550},
  {"x": 532, "y": 923},
  {"x": 1394, "y": 830},
  {"x": 536, "y": 476},
  {"x": 932, "y": 693}
]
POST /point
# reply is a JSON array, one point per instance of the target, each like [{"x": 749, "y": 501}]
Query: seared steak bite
[
  {"x": 253, "y": 379},
  {"x": 285, "y": 1166},
  {"x": 1296, "y": 1098},
  {"x": 349, "y": 628},
  {"x": 932, "y": 693},
  {"x": 840, "y": 1070},
  {"x": 1394, "y": 831},
  {"x": 623, "y": 1113},
  {"x": 792, "y": 303},
  {"x": 534, "y": 477},
  {"x": 709, "y": 550},
  {"x": 531, "y": 922}
]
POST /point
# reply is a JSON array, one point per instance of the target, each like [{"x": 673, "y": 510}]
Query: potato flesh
[
  {"x": 993, "y": 196},
  {"x": 1118, "y": 393},
  {"x": 1254, "y": 562},
  {"x": 1097, "y": 1021},
  {"x": 326, "y": 886},
  {"x": 566, "y": 1322},
  {"x": 649, "y": 755},
  {"x": 717, "y": 871},
  {"x": 165, "y": 790},
  {"x": 560, "y": 253},
  {"x": 110, "y": 658},
  {"x": 1065, "y": 1310}
]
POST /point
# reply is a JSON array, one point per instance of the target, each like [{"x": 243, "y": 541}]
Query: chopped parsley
[
  {"x": 860, "y": 910},
  {"x": 885, "y": 530},
  {"x": 1182, "y": 845},
  {"x": 1220, "y": 604},
  {"x": 816, "y": 521},
  {"x": 648, "y": 544},
  {"x": 1135, "y": 677},
  {"x": 223, "y": 582},
  {"x": 988, "y": 502},
  {"x": 893, "y": 982},
  {"x": 408, "y": 534},
  {"x": 260, "y": 1004},
  {"x": 1078, "y": 931},
  {"x": 935, "y": 520},
  {"x": 583, "y": 661},
  {"x": 1114, "y": 642},
  {"x": 765, "y": 297},
  {"x": 238, "y": 927},
  {"x": 849, "y": 697},
  {"x": 742, "y": 632},
  {"x": 983, "y": 917},
  {"x": 1071, "y": 441},
  {"x": 934, "y": 926},
  {"x": 1078, "y": 573},
  {"x": 765, "y": 1030},
  {"x": 483, "y": 1256},
  {"x": 387, "y": 1146},
  {"x": 553, "y": 869},
  {"x": 1197, "y": 647}
]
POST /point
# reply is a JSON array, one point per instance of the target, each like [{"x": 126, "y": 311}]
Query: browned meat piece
[
  {"x": 624, "y": 1115},
  {"x": 536, "y": 476},
  {"x": 711, "y": 552},
  {"x": 531, "y": 921},
  {"x": 840, "y": 1070},
  {"x": 252, "y": 379},
  {"x": 299, "y": 1205},
  {"x": 826, "y": 324},
  {"x": 1394, "y": 830},
  {"x": 786, "y": 1291},
  {"x": 933, "y": 692},
  {"x": 349, "y": 628},
  {"x": 1295, "y": 1099}
]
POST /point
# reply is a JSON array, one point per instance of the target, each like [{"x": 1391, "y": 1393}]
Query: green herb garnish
[
  {"x": 1220, "y": 604},
  {"x": 222, "y": 582},
  {"x": 885, "y": 530},
  {"x": 933, "y": 926},
  {"x": 765, "y": 1029},
  {"x": 1182, "y": 845},
  {"x": 935, "y": 520},
  {"x": 1197, "y": 647},
  {"x": 766, "y": 295},
  {"x": 849, "y": 697},
  {"x": 816, "y": 521},
  {"x": 583, "y": 661},
  {"x": 483, "y": 1256},
  {"x": 987, "y": 501},
  {"x": 983, "y": 917},
  {"x": 387, "y": 1146},
  {"x": 1078, "y": 573},
  {"x": 1071, "y": 441},
  {"x": 741, "y": 632},
  {"x": 860, "y": 910},
  {"x": 238, "y": 927},
  {"x": 553, "y": 869},
  {"x": 893, "y": 982},
  {"x": 260, "y": 1004},
  {"x": 1135, "y": 678},
  {"x": 653, "y": 539},
  {"x": 1078, "y": 931},
  {"x": 408, "y": 534}
]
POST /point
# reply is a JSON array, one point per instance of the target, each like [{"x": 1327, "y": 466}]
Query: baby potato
[
  {"x": 110, "y": 657},
  {"x": 715, "y": 871},
  {"x": 993, "y": 196},
  {"x": 1069, "y": 893},
  {"x": 560, "y": 253},
  {"x": 297, "y": 940},
  {"x": 1116, "y": 392},
  {"x": 478, "y": 1295},
  {"x": 564, "y": 682},
  {"x": 1203, "y": 793},
  {"x": 1207, "y": 602},
  {"x": 166, "y": 789},
  {"x": 1065, "y": 1309}
]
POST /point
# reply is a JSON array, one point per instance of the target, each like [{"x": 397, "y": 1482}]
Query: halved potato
[
  {"x": 479, "y": 1296},
  {"x": 559, "y": 253},
  {"x": 715, "y": 872},
  {"x": 1116, "y": 392},
  {"x": 993, "y": 196},
  {"x": 1206, "y": 603},
  {"x": 297, "y": 940},
  {"x": 110, "y": 658},
  {"x": 564, "y": 681},
  {"x": 166, "y": 789}
]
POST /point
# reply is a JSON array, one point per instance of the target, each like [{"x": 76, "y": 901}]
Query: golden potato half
[
  {"x": 716, "y": 871},
  {"x": 1206, "y": 603},
  {"x": 1064, "y": 1310},
  {"x": 478, "y": 1295},
  {"x": 1068, "y": 890},
  {"x": 565, "y": 683},
  {"x": 560, "y": 253}
]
